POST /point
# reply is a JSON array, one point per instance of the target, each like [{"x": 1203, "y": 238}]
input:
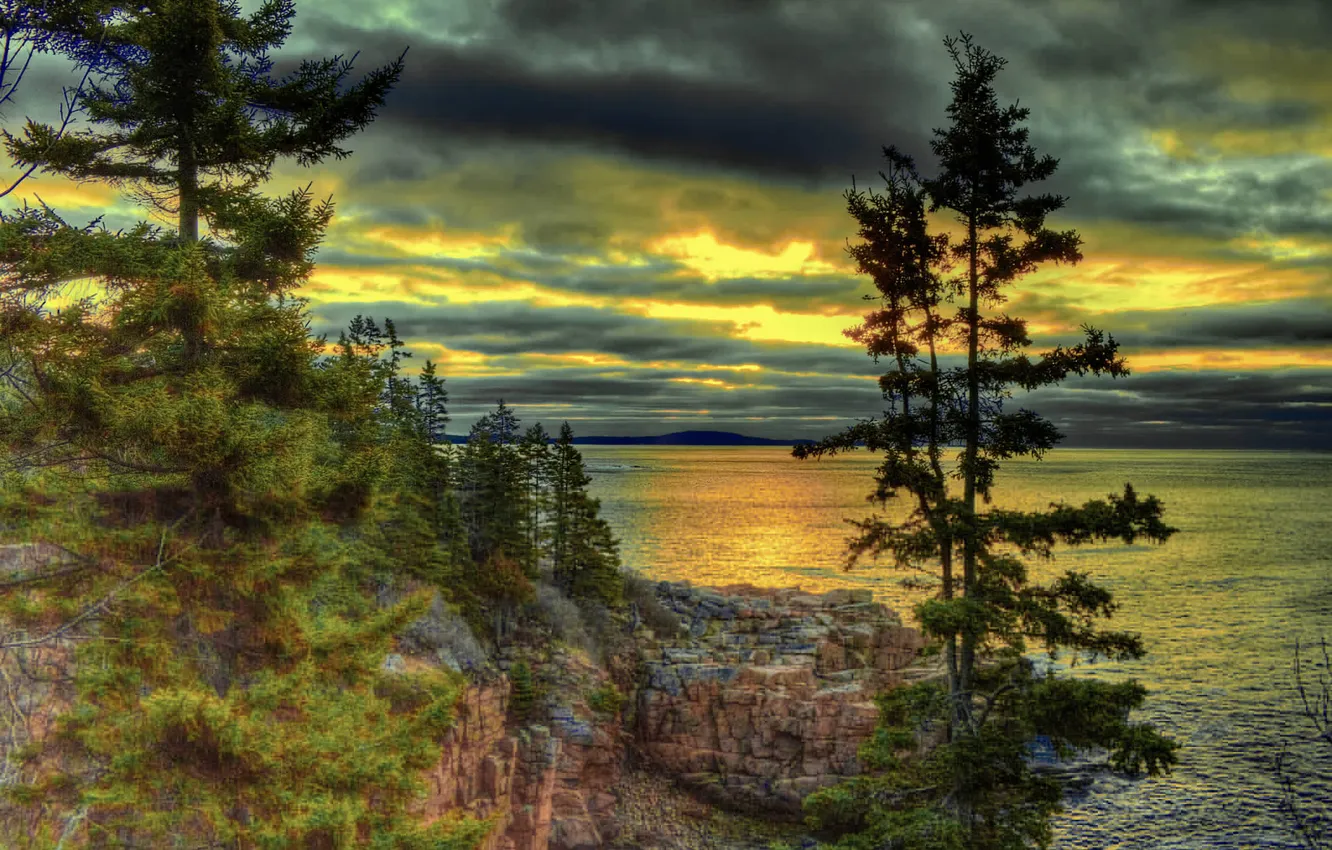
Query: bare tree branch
[
  {"x": 98, "y": 607},
  {"x": 26, "y": 48}
]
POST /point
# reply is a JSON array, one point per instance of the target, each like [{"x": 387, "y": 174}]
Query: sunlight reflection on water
[{"x": 1220, "y": 606}]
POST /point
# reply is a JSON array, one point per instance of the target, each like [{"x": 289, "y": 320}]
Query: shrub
[
  {"x": 606, "y": 699},
  {"x": 443, "y": 632},
  {"x": 641, "y": 593},
  {"x": 522, "y": 693},
  {"x": 564, "y": 617}
]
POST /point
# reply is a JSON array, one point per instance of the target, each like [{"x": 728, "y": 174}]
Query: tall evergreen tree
[
  {"x": 584, "y": 559},
  {"x": 432, "y": 404},
  {"x": 439, "y": 468},
  {"x": 568, "y": 480},
  {"x": 976, "y": 790},
  {"x": 229, "y": 691},
  {"x": 414, "y": 526},
  {"x": 534, "y": 451},
  {"x": 492, "y": 495}
]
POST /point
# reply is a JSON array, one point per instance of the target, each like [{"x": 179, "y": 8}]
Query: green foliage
[
  {"x": 491, "y": 491},
  {"x": 974, "y": 790},
  {"x": 523, "y": 503},
  {"x": 191, "y": 98},
  {"x": 223, "y": 492},
  {"x": 606, "y": 699},
  {"x": 584, "y": 556},
  {"x": 523, "y": 692}
]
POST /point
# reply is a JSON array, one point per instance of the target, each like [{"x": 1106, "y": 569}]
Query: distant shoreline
[
  {"x": 721, "y": 439},
  {"x": 677, "y": 438}
]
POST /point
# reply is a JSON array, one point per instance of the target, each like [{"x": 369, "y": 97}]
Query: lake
[{"x": 1220, "y": 606}]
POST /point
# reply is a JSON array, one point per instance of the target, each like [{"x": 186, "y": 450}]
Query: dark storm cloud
[
  {"x": 1292, "y": 323},
  {"x": 1120, "y": 92},
  {"x": 1279, "y": 325},
  {"x": 489, "y": 96},
  {"x": 769, "y": 93},
  {"x": 630, "y": 401},
  {"x": 813, "y": 90},
  {"x": 1289, "y": 409},
  {"x": 499, "y": 329}
]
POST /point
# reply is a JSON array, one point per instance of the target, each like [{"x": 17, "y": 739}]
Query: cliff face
[
  {"x": 771, "y": 695},
  {"x": 546, "y": 785},
  {"x": 762, "y": 698}
]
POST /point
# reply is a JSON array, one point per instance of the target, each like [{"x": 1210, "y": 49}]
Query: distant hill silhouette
[{"x": 676, "y": 438}]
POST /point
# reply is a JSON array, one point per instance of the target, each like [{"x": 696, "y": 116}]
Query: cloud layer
[{"x": 629, "y": 214}]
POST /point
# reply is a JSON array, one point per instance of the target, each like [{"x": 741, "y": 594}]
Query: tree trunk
[
  {"x": 187, "y": 174},
  {"x": 945, "y": 539},
  {"x": 967, "y": 661}
]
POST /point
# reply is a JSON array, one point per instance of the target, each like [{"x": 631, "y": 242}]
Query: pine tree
[
  {"x": 583, "y": 552},
  {"x": 534, "y": 450},
  {"x": 568, "y": 480},
  {"x": 413, "y": 524},
  {"x": 492, "y": 489},
  {"x": 432, "y": 404},
  {"x": 976, "y": 790},
  {"x": 175, "y": 439},
  {"x": 595, "y": 566}
]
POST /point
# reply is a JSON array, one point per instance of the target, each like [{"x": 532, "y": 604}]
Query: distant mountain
[
  {"x": 688, "y": 438},
  {"x": 677, "y": 438}
]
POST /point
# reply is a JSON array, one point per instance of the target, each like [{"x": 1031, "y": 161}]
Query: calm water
[{"x": 1220, "y": 606}]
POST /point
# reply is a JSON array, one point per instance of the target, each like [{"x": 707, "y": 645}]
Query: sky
[{"x": 628, "y": 214}]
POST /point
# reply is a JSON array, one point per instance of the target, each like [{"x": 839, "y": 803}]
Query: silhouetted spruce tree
[
  {"x": 534, "y": 452},
  {"x": 492, "y": 497},
  {"x": 976, "y": 790},
  {"x": 412, "y": 525},
  {"x": 173, "y": 438},
  {"x": 595, "y": 557},
  {"x": 195, "y": 120},
  {"x": 439, "y": 467},
  {"x": 492, "y": 489},
  {"x": 432, "y": 404},
  {"x": 567, "y": 480},
  {"x": 583, "y": 552}
]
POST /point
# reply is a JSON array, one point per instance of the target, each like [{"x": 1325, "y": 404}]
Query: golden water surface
[{"x": 1220, "y": 605}]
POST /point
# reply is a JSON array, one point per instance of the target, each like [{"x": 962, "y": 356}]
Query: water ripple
[{"x": 1219, "y": 607}]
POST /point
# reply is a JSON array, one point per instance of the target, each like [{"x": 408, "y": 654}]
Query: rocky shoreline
[{"x": 761, "y": 697}]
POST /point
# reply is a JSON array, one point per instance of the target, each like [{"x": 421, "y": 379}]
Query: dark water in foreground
[{"x": 1220, "y": 606}]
